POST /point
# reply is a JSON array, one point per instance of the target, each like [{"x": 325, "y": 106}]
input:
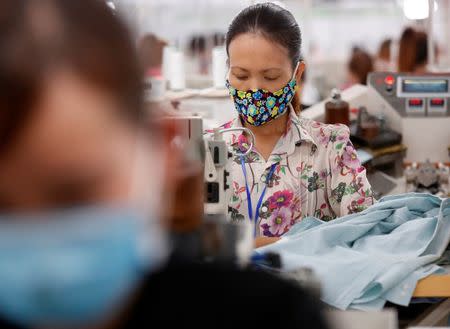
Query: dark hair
[
  {"x": 384, "y": 52},
  {"x": 218, "y": 39},
  {"x": 413, "y": 50},
  {"x": 38, "y": 36},
  {"x": 421, "y": 48},
  {"x": 273, "y": 22},
  {"x": 407, "y": 51},
  {"x": 150, "y": 51},
  {"x": 360, "y": 64}
]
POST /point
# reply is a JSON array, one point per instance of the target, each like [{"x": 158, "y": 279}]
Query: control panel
[
  {"x": 416, "y": 106},
  {"x": 413, "y": 95}
]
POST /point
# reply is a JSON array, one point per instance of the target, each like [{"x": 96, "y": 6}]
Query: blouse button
[
  {"x": 263, "y": 178},
  {"x": 264, "y": 209}
]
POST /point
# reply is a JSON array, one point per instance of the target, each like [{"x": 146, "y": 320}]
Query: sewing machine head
[{"x": 217, "y": 237}]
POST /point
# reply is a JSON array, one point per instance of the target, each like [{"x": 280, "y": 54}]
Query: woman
[
  {"x": 422, "y": 53},
  {"x": 73, "y": 166},
  {"x": 358, "y": 67},
  {"x": 298, "y": 167},
  {"x": 79, "y": 197},
  {"x": 407, "y": 51},
  {"x": 383, "y": 61},
  {"x": 413, "y": 52}
]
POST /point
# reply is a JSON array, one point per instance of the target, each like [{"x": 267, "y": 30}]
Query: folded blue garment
[{"x": 378, "y": 255}]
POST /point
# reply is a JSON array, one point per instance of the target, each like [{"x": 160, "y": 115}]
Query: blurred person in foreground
[{"x": 84, "y": 184}]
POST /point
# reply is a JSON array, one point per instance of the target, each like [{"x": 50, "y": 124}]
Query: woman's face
[
  {"x": 259, "y": 63},
  {"x": 72, "y": 150}
]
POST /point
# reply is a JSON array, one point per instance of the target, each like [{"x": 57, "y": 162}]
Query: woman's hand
[{"x": 264, "y": 241}]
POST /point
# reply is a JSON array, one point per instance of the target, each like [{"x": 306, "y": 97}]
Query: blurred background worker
[
  {"x": 408, "y": 56},
  {"x": 150, "y": 52},
  {"x": 413, "y": 51},
  {"x": 358, "y": 67},
  {"x": 85, "y": 181},
  {"x": 383, "y": 60},
  {"x": 197, "y": 49}
]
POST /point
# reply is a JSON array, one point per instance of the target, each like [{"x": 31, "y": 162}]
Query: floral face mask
[{"x": 260, "y": 106}]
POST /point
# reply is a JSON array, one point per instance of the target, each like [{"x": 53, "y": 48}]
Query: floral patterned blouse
[{"x": 316, "y": 173}]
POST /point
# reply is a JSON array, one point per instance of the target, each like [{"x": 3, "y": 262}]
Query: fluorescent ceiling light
[{"x": 417, "y": 9}]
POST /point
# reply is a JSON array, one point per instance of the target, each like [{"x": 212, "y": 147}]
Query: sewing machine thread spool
[
  {"x": 177, "y": 75},
  {"x": 219, "y": 67}
]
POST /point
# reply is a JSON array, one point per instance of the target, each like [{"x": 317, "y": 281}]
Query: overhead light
[
  {"x": 111, "y": 5},
  {"x": 417, "y": 9}
]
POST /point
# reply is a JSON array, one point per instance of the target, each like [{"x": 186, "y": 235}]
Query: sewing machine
[
  {"x": 222, "y": 240},
  {"x": 416, "y": 106},
  {"x": 215, "y": 237},
  {"x": 414, "y": 110}
]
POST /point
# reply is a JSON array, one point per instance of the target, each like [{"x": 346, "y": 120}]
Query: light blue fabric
[
  {"x": 378, "y": 255},
  {"x": 364, "y": 156}
]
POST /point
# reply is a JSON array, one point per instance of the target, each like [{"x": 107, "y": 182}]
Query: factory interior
[{"x": 225, "y": 163}]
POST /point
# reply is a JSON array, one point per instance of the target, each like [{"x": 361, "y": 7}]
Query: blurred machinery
[
  {"x": 372, "y": 131},
  {"x": 429, "y": 178},
  {"x": 401, "y": 118},
  {"x": 214, "y": 237},
  {"x": 417, "y": 106}
]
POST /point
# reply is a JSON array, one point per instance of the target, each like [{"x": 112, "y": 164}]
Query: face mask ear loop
[
  {"x": 294, "y": 75},
  {"x": 295, "y": 70}
]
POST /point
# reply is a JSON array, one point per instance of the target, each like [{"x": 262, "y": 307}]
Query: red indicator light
[
  {"x": 415, "y": 102},
  {"x": 437, "y": 102},
  {"x": 389, "y": 80}
]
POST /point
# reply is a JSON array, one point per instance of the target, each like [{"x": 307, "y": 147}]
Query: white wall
[{"x": 329, "y": 28}]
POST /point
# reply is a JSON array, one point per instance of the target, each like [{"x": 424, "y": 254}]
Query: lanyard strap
[{"x": 249, "y": 197}]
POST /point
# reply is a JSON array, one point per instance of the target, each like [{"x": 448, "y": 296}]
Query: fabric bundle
[{"x": 364, "y": 260}]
